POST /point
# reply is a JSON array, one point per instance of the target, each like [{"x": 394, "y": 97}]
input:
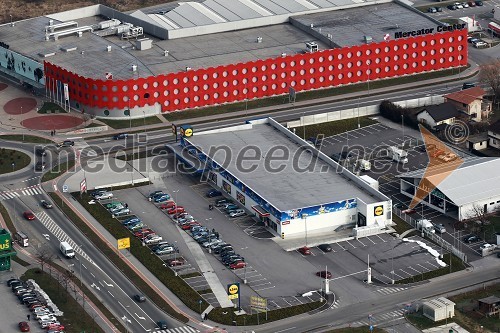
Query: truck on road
[
  {"x": 398, "y": 155},
  {"x": 425, "y": 225},
  {"x": 67, "y": 250}
]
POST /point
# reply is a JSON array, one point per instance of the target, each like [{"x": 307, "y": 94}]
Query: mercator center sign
[{"x": 426, "y": 31}]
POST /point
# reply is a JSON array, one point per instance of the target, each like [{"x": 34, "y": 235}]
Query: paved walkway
[{"x": 206, "y": 269}]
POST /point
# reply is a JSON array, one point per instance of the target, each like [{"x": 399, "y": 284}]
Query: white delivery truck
[
  {"x": 67, "y": 250},
  {"x": 364, "y": 165},
  {"x": 398, "y": 155},
  {"x": 425, "y": 225}
]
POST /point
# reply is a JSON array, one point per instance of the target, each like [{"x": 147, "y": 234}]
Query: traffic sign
[{"x": 65, "y": 188}]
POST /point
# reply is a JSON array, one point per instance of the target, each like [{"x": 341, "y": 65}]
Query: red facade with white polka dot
[{"x": 274, "y": 76}]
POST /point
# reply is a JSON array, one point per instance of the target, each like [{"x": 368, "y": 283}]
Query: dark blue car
[{"x": 214, "y": 193}]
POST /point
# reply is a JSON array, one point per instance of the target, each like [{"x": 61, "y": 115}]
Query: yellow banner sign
[
  {"x": 258, "y": 303},
  {"x": 123, "y": 243}
]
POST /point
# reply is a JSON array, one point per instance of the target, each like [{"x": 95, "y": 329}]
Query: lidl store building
[{"x": 290, "y": 186}]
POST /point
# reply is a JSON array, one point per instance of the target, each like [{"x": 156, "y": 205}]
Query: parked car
[
  {"x": 324, "y": 274},
  {"x": 305, "y": 250},
  {"x": 325, "y": 247},
  {"x": 238, "y": 265},
  {"x": 452, "y": 7},
  {"x": 162, "y": 324},
  {"x": 212, "y": 242},
  {"x": 41, "y": 151},
  {"x": 139, "y": 298},
  {"x": 45, "y": 204},
  {"x": 237, "y": 213},
  {"x": 154, "y": 193},
  {"x": 459, "y": 5},
  {"x": 120, "y": 136},
  {"x": 167, "y": 205},
  {"x": 213, "y": 193},
  {"x": 230, "y": 207},
  {"x": 468, "y": 85},
  {"x": 136, "y": 227},
  {"x": 189, "y": 225},
  {"x": 486, "y": 246},
  {"x": 103, "y": 195},
  {"x": 440, "y": 228},
  {"x": 478, "y": 3},
  {"x": 480, "y": 44},
  {"x": 185, "y": 218},
  {"x": 28, "y": 215},
  {"x": 439, "y": 9},
  {"x": 161, "y": 198},
  {"x": 24, "y": 326},
  {"x": 160, "y": 245},
  {"x": 121, "y": 212},
  {"x": 175, "y": 210},
  {"x": 222, "y": 202},
  {"x": 143, "y": 233},
  {"x": 432, "y": 10},
  {"x": 472, "y": 4},
  {"x": 131, "y": 220},
  {"x": 10, "y": 281},
  {"x": 471, "y": 239},
  {"x": 179, "y": 215},
  {"x": 152, "y": 238},
  {"x": 175, "y": 262},
  {"x": 165, "y": 250}
]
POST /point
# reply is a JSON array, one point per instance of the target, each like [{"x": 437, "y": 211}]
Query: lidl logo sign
[
  {"x": 378, "y": 210},
  {"x": 233, "y": 290},
  {"x": 186, "y": 131}
]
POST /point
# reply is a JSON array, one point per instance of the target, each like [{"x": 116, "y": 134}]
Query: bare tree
[
  {"x": 490, "y": 74},
  {"x": 44, "y": 254}
]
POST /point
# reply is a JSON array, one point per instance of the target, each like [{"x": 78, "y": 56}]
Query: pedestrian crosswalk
[
  {"x": 381, "y": 318},
  {"x": 31, "y": 190},
  {"x": 183, "y": 329},
  {"x": 389, "y": 290},
  {"x": 53, "y": 228}
]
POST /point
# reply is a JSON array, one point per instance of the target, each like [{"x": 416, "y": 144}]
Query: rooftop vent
[
  {"x": 68, "y": 48},
  {"x": 134, "y": 68},
  {"x": 259, "y": 39},
  {"x": 166, "y": 52},
  {"x": 108, "y": 48},
  {"x": 46, "y": 54}
]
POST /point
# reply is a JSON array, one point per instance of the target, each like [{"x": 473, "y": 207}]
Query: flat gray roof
[
  {"x": 476, "y": 179},
  {"x": 348, "y": 27},
  {"x": 289, "y": 188}
]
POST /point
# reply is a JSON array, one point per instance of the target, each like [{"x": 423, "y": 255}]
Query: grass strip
[
  {"x": 333, "y": 127},
  {"x": 25, "y": 138},
  {"x": 7, "y": 219},
  {"x": 401, "y": 225},
  {"x": 20, "y": 261},
  {"x": 50, "y": 107},
  {"x": 115, "y": 259},
  {"x": 58, "y": 170},
  {"x": 12, "y": 160},
  {"x": 361, "y": 329},
  {"x": 75, "y": 319},
  {"x": 129, "y": 123}
]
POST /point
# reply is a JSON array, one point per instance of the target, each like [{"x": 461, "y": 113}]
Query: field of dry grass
[{"x": 23, "y": 9}]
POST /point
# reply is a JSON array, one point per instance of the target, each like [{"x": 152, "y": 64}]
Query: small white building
[
  {"x": 494, "y": 135},
  {"x": 438, "y": 309},
  {"x": 435, "y": 115},
  {"x": 471, "y": 24}
]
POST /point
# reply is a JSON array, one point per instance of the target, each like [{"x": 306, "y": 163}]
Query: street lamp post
[
  {"x": 304, "y": 125},
  {"x": 392, "y": 263},
  {"x": 403, "y": 127}
]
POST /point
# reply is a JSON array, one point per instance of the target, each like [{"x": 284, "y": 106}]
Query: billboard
[
  {"x": 21, "y": 65},
  {"x": 5, "y": 240},
  {"x": 317, "y": 210},
  {"x": 123, "y": 243}
]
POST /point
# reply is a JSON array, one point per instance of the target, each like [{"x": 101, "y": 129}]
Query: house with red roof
[{"x": 471, "y": 102}]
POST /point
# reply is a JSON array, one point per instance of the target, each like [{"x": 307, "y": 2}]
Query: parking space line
[
  {"x": 275, "y": 304},
  {"x": 402, "y": 270},
  {"x": 260, "y": 289},
  {"x": 425, "y": 268},
  {"x": 431, "y": 264},
  {"x": 399, "y": 276},
  {"x": 350, "y": 243},
  {"x": 381, "y": 238},
  {"x": 361, "y": 242},
  {"x": 419, "y": 272},
  {"x": 298, "y": 300}
]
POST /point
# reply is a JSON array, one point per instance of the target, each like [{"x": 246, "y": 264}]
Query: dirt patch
[
  {"x": 52, "y": 122},
  {"x": 3, "y": 86},
  {"x": 20, "y": 105}
]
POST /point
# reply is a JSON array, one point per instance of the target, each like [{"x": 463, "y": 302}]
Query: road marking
[
  {"x": 111, "y": 294},
  {"x": 141, "y": 318}
]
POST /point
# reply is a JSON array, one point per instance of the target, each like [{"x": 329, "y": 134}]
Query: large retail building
[
  {"x": 195, "y": 54},
  {"x": 290, "y": 186}
]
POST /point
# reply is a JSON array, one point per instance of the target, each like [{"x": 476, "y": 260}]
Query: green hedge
[
  {"x": 58, "y": 170},
  {"x": 456, "y": 265},
  {"x": 116, "y": 260}
]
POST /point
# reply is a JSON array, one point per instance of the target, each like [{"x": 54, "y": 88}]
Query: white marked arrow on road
[
  {"x": 126, "y": 319},
  {"x": 142, "y": 318},
  {"x": 47, "y": 236},
  {"x": 93, "y": 285},
  {"x": 107, "y": 284}
]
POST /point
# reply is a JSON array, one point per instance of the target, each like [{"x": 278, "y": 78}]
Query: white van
[
  {"x": 67, "y": 250},
  {"x": 364, "y": 165}
]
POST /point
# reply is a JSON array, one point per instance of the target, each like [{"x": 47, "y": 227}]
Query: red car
[
  {"x": 24, "y": 326},
  {"x": 175, "y": 262},
  {"x": 189, "y": 225},
  {"x": 176, "y": 210},
  {"x": 167, "y": 205},
  {"x": 305, "y": 250},
  {"x": 179, "y": 215},
  {"x": 238, "y": 265},
  {"x": 29, "y": 215},
  {"x": 143, "y": 233},
  {"x": 437, "y": 153},
  {"x": 324, "y": 274},
  {"x": 58, "y": 327}
]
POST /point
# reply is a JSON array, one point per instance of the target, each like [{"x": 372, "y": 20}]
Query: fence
[
  {"x": 432, "y": 236},
  {"x": 361, "y": 111}
]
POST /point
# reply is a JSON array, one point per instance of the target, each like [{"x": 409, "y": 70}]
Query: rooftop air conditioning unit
[
  {"x": 134, "y": 68},
  {"x": 108, "y": 48},
  {"x": 259, "y": 39}
]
